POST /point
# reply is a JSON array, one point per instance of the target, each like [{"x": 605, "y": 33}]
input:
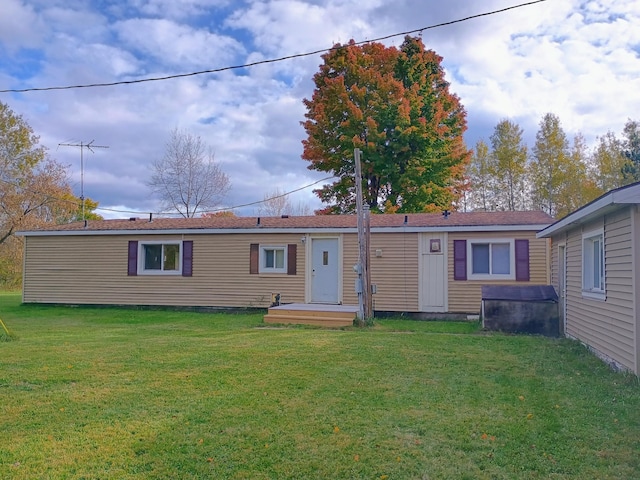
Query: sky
[{"x": 578, "y": 59}]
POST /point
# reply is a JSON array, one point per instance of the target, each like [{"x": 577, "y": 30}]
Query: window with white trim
[
  {"x": 491, "y": 259},
  {"x": 273, "y": 259},
  {"x": 593, "y": 284},
  {"x": 160, "y": 258}
]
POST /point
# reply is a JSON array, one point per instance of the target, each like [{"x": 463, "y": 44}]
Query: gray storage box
[{"x": 521, "y": 309}]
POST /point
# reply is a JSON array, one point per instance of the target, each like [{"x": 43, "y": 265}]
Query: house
[
  {"x": 595, "y": 268},
  {"x": 421, "y": 263}
]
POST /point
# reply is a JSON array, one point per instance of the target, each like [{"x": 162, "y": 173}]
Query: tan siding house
[
  {"x": 422, "y": 263},
  {"x": 595, "y": 269}
]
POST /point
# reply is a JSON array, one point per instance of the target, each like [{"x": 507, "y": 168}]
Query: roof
[
  {"x": 479, "y": 221},
  {"x": 612, "y": 200}
]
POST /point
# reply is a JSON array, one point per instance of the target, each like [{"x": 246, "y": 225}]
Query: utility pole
[
  {"x": 90, "y": 146},
  {"x": 363, "y": 282}
]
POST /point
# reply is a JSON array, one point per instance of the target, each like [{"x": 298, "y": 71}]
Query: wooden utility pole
[
  {"x": 363, "y": 282},
  {"x": 90, "y": 146}
]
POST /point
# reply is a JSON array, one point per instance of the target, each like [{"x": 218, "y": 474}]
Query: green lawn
[{"x": 88, "y": 393}]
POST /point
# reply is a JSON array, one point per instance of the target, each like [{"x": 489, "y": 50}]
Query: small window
[
  {"x": 159, "y": 258},
  {"x": 593, "y": 284},
  {"x": 491, "y": 260},
  {"x": 273, "y": 259}
]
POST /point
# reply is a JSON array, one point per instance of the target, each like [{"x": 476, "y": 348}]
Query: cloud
[
  {"x": 578, "y": 59},
  {"x": 20, "y": 26},
  {"x": 177, "y": 46}
]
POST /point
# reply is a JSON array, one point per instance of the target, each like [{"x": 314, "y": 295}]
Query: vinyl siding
[
  {"x": 93, "y": 270},
  {"x": 608, "y": 326},
  {"x": 395, "y": 273},
  {"x": 466, "y": 296}
]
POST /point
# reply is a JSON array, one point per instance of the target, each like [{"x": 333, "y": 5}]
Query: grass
[{"x": 88, "y": 393}]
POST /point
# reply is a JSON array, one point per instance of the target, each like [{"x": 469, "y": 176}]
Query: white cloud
[
  {"x": 176, "y": 45},
  {"x": 20, "y": 26},
  {"x": 578, "y": 59}
]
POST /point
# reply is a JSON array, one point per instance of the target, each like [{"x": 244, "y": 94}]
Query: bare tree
[
  {"x": 187, "y": 179},
  {"x": 277, "y": 203}
]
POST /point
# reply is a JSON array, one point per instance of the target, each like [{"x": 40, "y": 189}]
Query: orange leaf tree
[{"x": 395, "y": 106}]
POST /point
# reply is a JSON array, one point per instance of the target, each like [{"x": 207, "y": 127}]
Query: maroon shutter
[
  {"x": 459, "y": 259},
  {"x": 254, "y": 258},
  {"x": 187, "y": 258},
  {"x": 292, "y": 250},
  {"x": 522, "y": 260},
  {"x": 132, "y": 267}
]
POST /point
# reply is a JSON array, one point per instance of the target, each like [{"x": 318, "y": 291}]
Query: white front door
[
  {"x": 433, "y": 272},
  {"x": 325, "y": 268}
]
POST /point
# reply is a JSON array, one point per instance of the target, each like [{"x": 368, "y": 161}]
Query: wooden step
[{"x": 311, "y": 314}]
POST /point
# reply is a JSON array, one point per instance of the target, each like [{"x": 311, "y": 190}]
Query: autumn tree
[
  {"x": 395, "y": 106},
  {"x": 558, "y": 173},
  {"x": 73, "y": 212},
  {"x": 507, "y": 165},
  {"x": 33, "y": 189},
  {"x": 219, "y": 214},
  {"x": 609, "y": 163},
  {"x": 482, "y": 190},
  {"x": 186, "y": 179},
  {"x": 631, "y": 150},
  {"x": 578, "y": 188}
]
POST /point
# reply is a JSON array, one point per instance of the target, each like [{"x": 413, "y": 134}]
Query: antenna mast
[{"x": 90, "y": 146}]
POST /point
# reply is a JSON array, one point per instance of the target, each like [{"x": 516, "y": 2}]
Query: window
[
  {"x": 273, "y": 259},
  {"x": 491, "y": 259},
  {"x": 159, "y": 258},
  {"x": 593, "y": 264}
]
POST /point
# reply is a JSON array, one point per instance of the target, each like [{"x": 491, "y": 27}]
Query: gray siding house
[{"x": 595, "y": 268}]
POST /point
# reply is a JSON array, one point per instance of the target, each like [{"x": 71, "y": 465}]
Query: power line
[
  {"x": 273, "y": 60},
  {"x": 105, "y": 209}
]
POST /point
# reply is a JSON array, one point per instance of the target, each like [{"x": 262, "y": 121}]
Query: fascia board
[{"x": 255, "y": 231}]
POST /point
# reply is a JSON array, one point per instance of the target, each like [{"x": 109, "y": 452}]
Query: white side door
[
  {"x": 432, "y": 275},
  {"x": 325, "y": 270}
]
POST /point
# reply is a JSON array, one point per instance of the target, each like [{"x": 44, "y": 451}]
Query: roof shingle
[{"x": 455, "y": 219}]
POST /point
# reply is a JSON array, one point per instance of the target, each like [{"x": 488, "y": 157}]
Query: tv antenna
[{"x": 90, "y": 146}]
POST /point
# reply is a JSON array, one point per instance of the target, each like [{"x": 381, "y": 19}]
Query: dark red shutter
[
  {"x": 459, "y": 259},
  {"x": 522, "y": 260},
  {"x": 132, "y": 267},
  {"x": 254, "y": 258},
  {"x": 292, "y": 250},
  {"x": 187, "y": 258}
]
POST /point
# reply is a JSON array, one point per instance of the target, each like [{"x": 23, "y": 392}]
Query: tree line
[{"x": 555, "y": 175}]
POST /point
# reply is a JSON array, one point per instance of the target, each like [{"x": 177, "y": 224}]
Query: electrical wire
[
  {"x": 273, "y": 60},
  {"x": 105, "y": 209}
]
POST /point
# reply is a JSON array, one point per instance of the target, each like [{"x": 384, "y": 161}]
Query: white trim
[
  {"x": 594, "y": 293},
  {"x": 141, "y": 258},
  {"x": 299, "y": 231},
  {"x": 263, "y": 269},
  {"x": 491, "y": 276},
  {"x": 562, "y": 286}
]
